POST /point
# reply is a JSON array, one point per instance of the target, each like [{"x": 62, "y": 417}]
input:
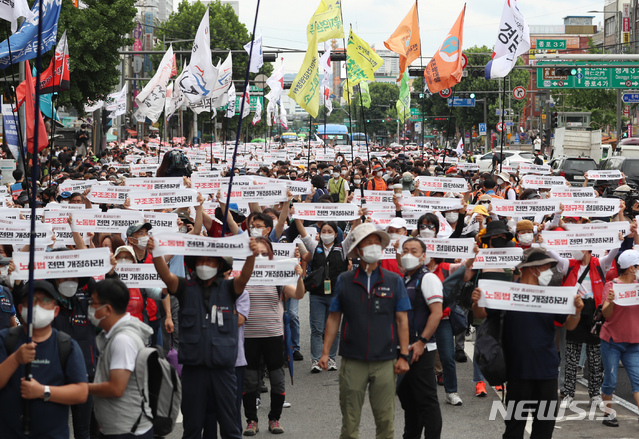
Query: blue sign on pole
[
  {"x": 631, "y": 98},
  {"x": 461, "y": 102},
  {"x": 482, "y": 129}
]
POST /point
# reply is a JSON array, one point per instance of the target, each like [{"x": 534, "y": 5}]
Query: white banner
[
  {"x": 442, "y": 184},
  {"x": 170, "y": 199},
  {"x": 212, "y": 185},
  {"x": 56, "y": 265},
  {"x": 59, "y": 221},
  {"x": 431, "y": 204},
  {"x": 156, "y": 183},
  {"x": 166, "y": 222},
  {"x": 139, "y": 276},
  {"x": 19, "y": 232},
  {"x": 264, "y": 195},
  {"x": 595, "y": 174},
  {"x": 616, "y": 226},
  {"x": 572, "y": 192},
  {"x": 389, "y": 252},
  {"x": 458, "y": 248},
  {"x": 529, "y": 168},
  {"x": 512, "y": 296},
  {"x": 272, "y": 273},
  {"x": 143, "y": 169},
  {"x": 465, "y": 166},
  {"x": 195, "y": 245},
  {"x": 283, "y": 250},
  {"x": 326, "y": 211},
  {"x": 626, "y": 294},
  {"x": 590, "y": 207},
  {"x": 542, "y": 181},
  {"x": 524, "y": 207},
  {"x": 373, "y": 197},
  {"x": 109, "y": 194},
  {"x": 581, "y": 240},
  {"x": 76, "y": 185},
  {"x": 498, "y": 258},
  {"x": 114, "y": 221}
]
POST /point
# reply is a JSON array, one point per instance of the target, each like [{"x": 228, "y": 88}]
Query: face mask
[
  {"x": 327, "y": 238},
  {"x": 526, "y": 238},
  {"x": 394, "y": 235},
  {"x": 255, "y": 232},
  {"x": 335, "y": 174},
  {"x": 92, "y": 318},
  {"x": 578, "y": 255},
  {"x": 409, "y": 262},
  {"x": 261, "y": 258},
  {"x": 68, "y": 288},
  {"x": 142, "y": 242},
  {"x": 357, "y": 181},
  {"x": 451, "y": 217},
  {"x": 344, "y": 172},
  {"x": 371, "y": 253},
  {"x": 379, "y": 174},
  {"x": 427, "y": 260},
  {"x": 184, "y": 229},
  {"x": 205, "y": 272},
  {"x": 500, "y": 181},
  {"x": 41, "y": 317},
  {"x": 427, "y": 233},
  {"x": 545, "y": 277},
  {"x": 498, "y": 242}
]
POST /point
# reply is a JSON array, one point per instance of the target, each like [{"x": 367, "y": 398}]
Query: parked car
[
  {"x": 511, "y": 158},
  {"x": 628, "y": 165},
  {"x": 572, "y": 169}
]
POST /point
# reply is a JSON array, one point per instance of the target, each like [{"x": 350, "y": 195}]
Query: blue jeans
[
  {"x": 293, "y": 310},
  {"x": 477, "y": 375},
  {"x": 446, "y": 347},
  {"x": 611, "y": 353},
  {"x": 318, "y": 315}
]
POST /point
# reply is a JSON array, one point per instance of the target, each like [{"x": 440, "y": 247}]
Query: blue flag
[{"x": 24, "y": 43}]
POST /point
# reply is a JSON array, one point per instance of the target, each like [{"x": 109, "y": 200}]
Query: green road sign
[
  {"x": 588, "y": 77},
  {"x": 252, "y": 98},
  {"x": 415, "y": 112},
  {"x": 551, "y": 44}
]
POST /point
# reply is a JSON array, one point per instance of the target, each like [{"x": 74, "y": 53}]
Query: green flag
[
  {"x": 403, "y": 103},
  {"x": 366, "y": 97}
]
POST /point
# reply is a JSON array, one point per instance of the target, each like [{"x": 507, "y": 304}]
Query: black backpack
[
  {"x": 489, "y": 352},
  {"x": 179, "y": 165},
  {"x": 64, "y": 344}
]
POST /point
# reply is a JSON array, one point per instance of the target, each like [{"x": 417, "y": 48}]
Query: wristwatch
[
  {"x": 422, "y": 339},
  {"x": 47, "y": 394},
  {"x": 406, "y": 357}
]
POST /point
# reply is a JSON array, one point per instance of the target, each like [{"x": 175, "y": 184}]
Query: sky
[{"x": 282, "y": 23}]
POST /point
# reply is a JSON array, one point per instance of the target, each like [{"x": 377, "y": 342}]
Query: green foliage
[{"x": 383, "y": 99}]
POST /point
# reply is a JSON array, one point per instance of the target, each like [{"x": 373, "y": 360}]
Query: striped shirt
[{"x": 265, "y": 315}]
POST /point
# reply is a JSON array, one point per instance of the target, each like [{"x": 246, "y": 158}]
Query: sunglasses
[{"x": 426, "y": 226}]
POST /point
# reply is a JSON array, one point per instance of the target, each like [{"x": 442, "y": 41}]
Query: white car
[{"x": 512, "y": 158}]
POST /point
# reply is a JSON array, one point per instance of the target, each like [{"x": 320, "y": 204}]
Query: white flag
[
  {"x": 513, "y": 40},
  {"x": 151, "y": 100},
  {"x": 258, "y": 112},
  {"x": 257, "y": 60},
  {"x": 174, "y": 101},
  {"x": 198, "y": 78},
  {"x": 269, "y": 113},
  {"x": 329, "y": 107},
  {"x": 230, "y": 112},
  {"x": 460, "y": 147},
  {"x": 92, "y": 106},
  {"x": 247, "y": 103},
  {"x": 283, "y": 119},
  {"x": 223, "y": 81},
  {"x": 325, "y": 64},
  {"x": 12, "y": 10},
  {"x": 276, "y": 83},
  {"x": 117, "y": 104}
]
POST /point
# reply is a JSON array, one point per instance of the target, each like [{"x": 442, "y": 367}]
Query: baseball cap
[
  {"x": 137, "y": 227},
  {"x": 628, "y": 258},
  {"x": 397, "y": 223}
]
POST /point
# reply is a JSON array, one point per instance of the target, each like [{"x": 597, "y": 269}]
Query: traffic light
[
  {"x": 478, "y": 73},
  {"x": 472, "y": 95},
  {"x": 547, "y": 136},
  {"x": 416, "y": 72},
  {"x": 338, "y": 56},
  {"x": 565, "y": 71},
  {"x": 554, "y": 120},
  {"x": 270, "y": 57}
]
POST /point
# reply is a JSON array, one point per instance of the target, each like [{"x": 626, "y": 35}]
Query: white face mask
[
  {"x": 344, "y": 172},
  {"x": 261, "y": 258},
  {"x": 451, "y": 217},
  {"x": 545, "y": 277},
  {"x": 526, "y": 238},
  {"x": 577, "y": 254},
  {"x": 394, "y": 235},
  {"x": 255, "y": 232},
  {"x": 371, "y": 253},
  {"x": 335, "y": 174},
  {"x": 427, "y": 260},
  {"x": 427, "y": 233},
  {"x": 327, "y": 238},
  {"x": 409, "y": 261},
  {"x": 142, "y": 242},
  {"x": 41, "y": 317},
  {"x": 184, "y": 229},
  {"x": 92, "y": 318},
  {"x": 500, "y": 181},
  {"x": 205, "y": 272},
  {"x": 68, "y": 288},
  {"x": 357, "y": 181},
  {"x": 380, "y": 174}
]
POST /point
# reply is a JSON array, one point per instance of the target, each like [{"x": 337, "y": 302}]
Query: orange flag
[
  {"x": 405, "y": 41},
  {"x": 445, "y": 68},
  {"x": 28, "y": 98}
]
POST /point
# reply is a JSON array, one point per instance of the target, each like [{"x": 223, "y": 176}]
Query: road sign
[
  {"x": 461, "y": 102},
  {"x": 509, "y": 123},
  {"x": 445, "y": 92},
  {"x": 500, "y": 127},
  {"x": 467, "y": 135},
  {"x": 551, "y": 44},
  {"x": 625, "y": 76},
  {"x": 415, "y": 112},
  {"x": 519, "y": 92},
  {"x": 464, "y": 61},
  {"x": 543, "y": 116},
  {"x": 631, "y": 98},
  {"x": 482, "y": 129}
]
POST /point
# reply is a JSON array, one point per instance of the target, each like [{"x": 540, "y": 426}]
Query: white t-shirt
[
  {"x": 124, "y": 350},
  {"x": 433, "y": 292}
]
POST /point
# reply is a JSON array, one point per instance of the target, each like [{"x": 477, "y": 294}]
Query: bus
[
  {"x": 334, "y": 134},
  {"x": 289, "y": 137},
  {"x": 360, "y": 139}
]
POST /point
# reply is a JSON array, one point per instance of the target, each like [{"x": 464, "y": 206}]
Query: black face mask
[{"x": 498, "y": 242}]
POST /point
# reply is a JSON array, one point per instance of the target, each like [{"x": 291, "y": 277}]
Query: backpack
[
  {"x": 161, "y": 390},
  {"x": 452, "y": 287},
  {"x": 489, "y": 352},
  {"x": 178, "y": 165},
  {"x": 64, "y": 344}
]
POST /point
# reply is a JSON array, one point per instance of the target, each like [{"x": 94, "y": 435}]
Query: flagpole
[
  {"x": 348, "y": 90},
  {"x": 450, "y": 111},
  {"x": 421, "y": 66},
  {"x": 503, "y": 127},
  {"x": 368, "y": 153},
  {"x": 52, "y": 114},
  {"x": 325, "y": 136},
  {"x": 310, "y": 129},
  {"x": 211, "y": 129},
  {"x": 239, "y": 125}
]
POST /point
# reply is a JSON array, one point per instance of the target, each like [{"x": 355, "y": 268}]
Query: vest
[
  {"x": 7, "y": 309},
  {"x": 504, "y": 192},
  {"x": 597, "y": 278},
  {"x": 337, "y": 187},
  {"x": 335, "y": 265},
  {"x": 208, "y": 338},
  {"x": 369, "y": 329},
  {"x": 418, "y": 315}
]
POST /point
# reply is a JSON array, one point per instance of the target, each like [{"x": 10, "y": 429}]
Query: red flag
[
  {"x": 29, "y": 98},
  {"x": 51, "y": 82}
]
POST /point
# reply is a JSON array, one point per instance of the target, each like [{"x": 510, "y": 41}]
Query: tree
[{"x": 383, "y": 99}]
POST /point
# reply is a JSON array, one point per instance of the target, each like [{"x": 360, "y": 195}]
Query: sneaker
[
  {"x": 251, "y": 429},
  {"x": 258, "y": 402},
  {"x": 297, "y": 356},
  {"x": 460, "y": 356},
  {"x": 453, "y": 399},
  {"x": 610, "y": 421},
  {"x": 315, "y": 367},
  {"x": 480, "y": 389},
  {"x": 440, "y": 379},
  {"x": 332, "y": 365},
  {"x": 286, "y": 404},
  {"x": 274, "y": 426},
  {"x": 566, "y": 402},
  {"x": 499, "y": 387},
  {"x": 597, "y": 402}
]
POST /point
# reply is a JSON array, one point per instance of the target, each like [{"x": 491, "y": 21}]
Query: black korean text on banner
[
  {"x": 572, "y": 192},
  {"x": 296, "y": 187},
  {"x": 206, "y": 174},
  {"x": 380, "y": 208},
  {"x": 213, "y": 185},
  {"x": 56, "y": 265},
  {"x": 139, "y": 276},
  {"x": 626, "y": 294},
  {"x": 389, "y": 252},
  {"x": 272, "y": 273},
  {"x": 156, "y": 183},
  {"x": 18, "y": 232},
  {"x": 465, "y": 166},
  {"x": 529, "y": 168},
  {"x": 581, "y": 240},
  {"x": 498, "y": 258},
  {"x": 542, "y": 181},
  {"x": 114, "y": 221},
  {"x": 326, "y": 211},
  {"x": 162, "y": 221},
  {"x": 378, "y": 197},
  {"x": 109, "y": 194},
  {"x": 143, "y": 169},
  {"x": 264, "y": 195},
  {"x": 59, "y": 221},
  {"x": 442, "y": 184},
  {"x": 511, "y": 296},
  {"x": 195, "y": 245},
  {"x": 431, "y": 204},
  {"x": 622, "y": 227},
  {"x": 283, "y": 250},
  {"x": 596, "y": 174},
  {"x": 76, "y": 185},
  {"x": 524, "y": 207},
  {"x": 7, "y": 213},
  {"x": 461, "y": 248},
  {"x": 600, "y": 207},
  {"x": 171, "y": 199}
]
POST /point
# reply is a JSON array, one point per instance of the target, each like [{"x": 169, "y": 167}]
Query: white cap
[
  {"x": 628, "y": 258},
  {"x": 397, "y": 223}
]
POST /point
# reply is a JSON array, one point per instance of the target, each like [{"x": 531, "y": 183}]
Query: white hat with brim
[
  {"x": 628, "y": 258},
  {"x": 360, "y": 232}
]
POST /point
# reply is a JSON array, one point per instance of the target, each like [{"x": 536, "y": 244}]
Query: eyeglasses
[
  {"x": 45, "y": 300},
  {"x": 427, "y": 226},
  {"x": 485, "y": 202}
]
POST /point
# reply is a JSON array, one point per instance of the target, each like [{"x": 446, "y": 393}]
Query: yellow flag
[
  {"x": 326, "y": 22},
  {"x": 361, "y": 61},
  {"x": 305, "y": 87},
  {"x": 347, "y": 91}
]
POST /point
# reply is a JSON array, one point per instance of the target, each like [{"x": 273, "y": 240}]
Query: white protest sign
[
  {"x": 382, "y": 219},
  {"x": 212, "y": 185},
  {"x": 442, "y": 184},
  {"x": 377, "y": 207},
  {"x": 278, "y": 272},
  {"x": 143, "y": 169},
  {"x": 590, "y": 207},
  {"x": 524, "y": 207},
  {"x": 431, "y": 204},
  {"x": 465, "y": 166},
  {"x": 283, "y": 250},
  {"x": 114, "y": 221},
  {"x": 389, "y": 252},
  {"x": 109, "y": 194},
  {"x": 171, "y": 199},
  {"x": 195, "y": 245},
  {"x": 626, "y": 294},
  {"x": 615, "y": 226},
  {"x": 206, "y": 174},
  {"x": 498, "y": 258},
  {"x": 19, "y": 232},
  {"x": 10, "y": 213},
  {"x": 542, "y": 181},
  {"x": 511, "y": 296},
  {"x": 139, "y": 276},
  {"x": 59, "y": 221},
  {"x": 326, "y": 211},
  {"x": 76, "y": 185},
  {"x": 529, "y": 168},
  {"x": 572, "y": 192},
  {"x": 270, "y": 194},
  {"x": 581, "y": 240},
  {"x": 382, "y": 197},
  {"x": 596, "y": 174},
  {"x": 162, "y": 221},
  {"x": 156, "y": 183},
  {"x": 458, "y": 248},
  {"x": 56, "y": 265}
]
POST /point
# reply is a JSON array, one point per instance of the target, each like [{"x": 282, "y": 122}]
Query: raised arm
[
  {"x": 171, "y": 280},
  {"x": 239, "y": 283}
]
